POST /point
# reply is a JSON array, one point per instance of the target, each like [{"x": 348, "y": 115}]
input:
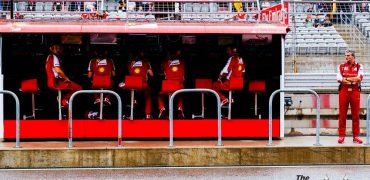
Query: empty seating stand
[
  {"x": 319, "y": 82},
  {"x": 313, "y": 41}
]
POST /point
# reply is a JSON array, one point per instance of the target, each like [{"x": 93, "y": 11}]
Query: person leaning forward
[{"x": 349, "y": 75}]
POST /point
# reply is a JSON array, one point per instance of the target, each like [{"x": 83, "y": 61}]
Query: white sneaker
[{"x": 121, "y": 85}]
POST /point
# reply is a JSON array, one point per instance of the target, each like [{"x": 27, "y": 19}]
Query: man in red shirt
[
  {"x": 57, "y": 79},
  {"x": 349, "y": 75},
  {"x": 233, "y": 68},
  {"x": 140, "y": 66},
  {"x": 174, "y": 69},
  {"x": 101, "y": 66}
]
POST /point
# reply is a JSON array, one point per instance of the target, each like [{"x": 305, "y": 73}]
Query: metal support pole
[
  {"x": 255, "y": 104},
  {"x": 132, "y": 104},
  {"x": 367, "y": 121},
  {"x": 219, "y": 129},
  {"x": 17, "y": 120},
  {"x": 202, "y": 113},
  {"x": 101, "y": 106},
  {"x": 33, "y": 106},
  {"x": 60, "y": 104},
  {"x": 70, "y": 126},
  {"x": 317, "y": 112},
  {"x": 229, "y": 108}
]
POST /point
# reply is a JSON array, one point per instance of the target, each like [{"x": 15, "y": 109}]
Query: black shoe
[{"x": 162, "y": 113}]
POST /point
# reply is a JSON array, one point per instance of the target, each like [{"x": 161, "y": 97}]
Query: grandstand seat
[
  {"x": 30, "y": 86},
  {"x": 332, "y": 48},
  {"x": 303, "y": 48},
  {"x": 314, "y": 48},
  {"x": 111, "y": 6},
  {"x": 150, "y": 17},
  {"x": 48, "y": 6},
  {"x": 28, "y": 16},
  {"x": 21, "y": 6},
  {"x": 256, "y": 86},
  {"x": 322, "y": 48},
  {"x": 122, "y": 15},
  {"x": 39, "y": 6},
  {"x": 196, "y": 7},
  {"x": 113, "y": 15},
  {"x": 213, "y": 7}
]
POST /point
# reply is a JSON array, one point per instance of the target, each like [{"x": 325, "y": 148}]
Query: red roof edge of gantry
[{"x": 135, "y": 27}]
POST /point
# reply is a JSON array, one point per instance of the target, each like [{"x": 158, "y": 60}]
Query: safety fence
[
  {"x": 17, "y": 115},
  {"x": 219, "y": 134},
  {"x": 70, "y": 110},
  {"x": 171, "y": 144},
  {"x": 296, "y": 91}
]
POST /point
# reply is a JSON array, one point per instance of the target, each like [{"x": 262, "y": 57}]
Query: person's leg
[
  {"x": 219, "y": 86},
  {"x": 343, "y": 108},
  {"x": 161, "y": 104},
  {"x": 355, "y": 112},
  {"x": 71, "y": 87},
  {"x": 180, "y": 111}
]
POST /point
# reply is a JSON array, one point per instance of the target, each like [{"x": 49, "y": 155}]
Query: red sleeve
[{"x": 233, "y": 62}]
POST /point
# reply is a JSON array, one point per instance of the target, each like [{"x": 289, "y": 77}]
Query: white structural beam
[{"x": 1, "y": 88}]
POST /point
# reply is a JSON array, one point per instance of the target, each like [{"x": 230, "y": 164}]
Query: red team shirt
[
  {"x": 174, "y": 69},
  {"x": 139, "y": 68},
  {"x": 101, "y": 67},
  {"x": 233, "y": 68},
  {"x": 346, "y": 70}
]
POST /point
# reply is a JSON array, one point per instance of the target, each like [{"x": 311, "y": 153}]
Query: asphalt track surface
[{"x": 358, "y": 172}]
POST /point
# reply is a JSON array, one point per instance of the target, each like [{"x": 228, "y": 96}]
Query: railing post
[
  {"x": 70, "y": 110},
  {"x": 219, "y": 129},
  {"x": 317, "y": 112},
  {"x": 367, "y": 121},
  {"x": 17, "y": 115}
]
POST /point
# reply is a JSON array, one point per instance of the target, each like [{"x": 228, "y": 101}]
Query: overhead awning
[{"x": 142, "y": 27}]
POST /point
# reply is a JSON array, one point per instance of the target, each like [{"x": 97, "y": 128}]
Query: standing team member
[
  {"x": 174, "y": 69},
  {"x": 349, "y": 75},
  {"x": 101, "y": 65},
  {"x": 56, "y": 76},
  {"x": 140, "y": 66},
  {"x": 233, "y": 68}
]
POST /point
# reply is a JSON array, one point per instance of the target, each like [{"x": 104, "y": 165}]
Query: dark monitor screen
[
  {"x": 103, "y": 38},
  {"x": 71, "y": 39},
  {"x": 189, "y": 39}
]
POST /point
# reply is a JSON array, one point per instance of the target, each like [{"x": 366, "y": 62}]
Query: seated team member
[
  {"x": 56, "y": 75},
  {"x": 140, "y": 66},
  {"x": 233, "y": 68},
  {"x": 101, "y": 65},
  {"x": 174, "y": 69}
]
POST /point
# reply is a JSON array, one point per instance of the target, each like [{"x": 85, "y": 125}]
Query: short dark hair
[{"x": 351, "y": 51}]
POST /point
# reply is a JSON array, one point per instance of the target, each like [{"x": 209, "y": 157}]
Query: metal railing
[
  {"x": 70, "y": 127},
  {"x": 293, "y": 91},
  {"x": 367, "y": 121},
  {"x": 17, "y": 119},
  {"x": 219, "y": 139},
  {"x": 358, "y": 41}
]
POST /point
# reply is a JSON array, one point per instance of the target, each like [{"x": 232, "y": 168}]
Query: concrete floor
[
  {"x": 186, "y": 173},
  {"x": 297, "y": 141}
]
